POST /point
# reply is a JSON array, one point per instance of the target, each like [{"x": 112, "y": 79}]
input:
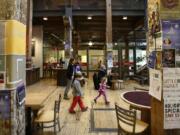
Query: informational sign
[
  {"x": 171, "y": 32},
  {"x": 171, "y": 94},
  {"x": 155, "y": 89},
  {"x": 20, "y": 94},
  {"x": 110, "y": 59},
  {"x": 152, "y": 60}
]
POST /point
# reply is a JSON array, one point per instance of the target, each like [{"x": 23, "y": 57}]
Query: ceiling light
[
  {"x": 45, "y": 18},
  {"x": 124, "y": 18},
  {"x": 90, "y": 43},
  {"x": 89, "y": 17},
  {"x": 115, "y": 43}
]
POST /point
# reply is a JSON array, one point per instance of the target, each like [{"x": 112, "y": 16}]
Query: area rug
[{"x": 103, "y": 120}]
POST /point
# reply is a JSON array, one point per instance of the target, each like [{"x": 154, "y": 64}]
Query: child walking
[
  {"x": 102, "y": 90},
  {"x": 77, "y": 93}
]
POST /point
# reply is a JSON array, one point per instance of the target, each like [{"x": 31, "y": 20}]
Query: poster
[
  {"x": 168, "y": 58},
  {"x": 155, "y": 89},
  {"x": 171, "y": 83},
  {"x": 171, "y": 32},
  {"x": 5, "y": 112},
  {"x": 171, "y": 94},
  {"x": 170, "y": 9},
  {"x": 172, "y": 113},
  {"x": 152, "y": 59}
]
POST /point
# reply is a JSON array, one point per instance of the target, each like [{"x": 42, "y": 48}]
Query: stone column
[
  {"x": 164, "y": 112},
  {"x": 13, "y": 53}
]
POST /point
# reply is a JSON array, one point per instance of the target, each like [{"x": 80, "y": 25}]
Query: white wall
[{"x": 37, "y": 36}]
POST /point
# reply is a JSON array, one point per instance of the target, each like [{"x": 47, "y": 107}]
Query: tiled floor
[{"x": 69, "y": 123}]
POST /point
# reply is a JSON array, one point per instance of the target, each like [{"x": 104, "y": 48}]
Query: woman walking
[{"x": 70, "y": 74}]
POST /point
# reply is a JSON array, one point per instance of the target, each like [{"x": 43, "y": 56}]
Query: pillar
[
  {"x": 29, "y": 33},
  {"x": 68, "y": 34},
  {"x": 126, "y": 67},
  {"x": 163, "y": 22},
  {"x": 12, "y": 58},
  {"x": 109, "y": 46}
]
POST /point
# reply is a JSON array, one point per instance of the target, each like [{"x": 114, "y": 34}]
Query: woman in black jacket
[{"x": 70, "y": 73}]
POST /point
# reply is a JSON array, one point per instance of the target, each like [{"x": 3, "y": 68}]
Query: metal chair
[
  {"x": 50, "y": 117},
  {"x": 127, "y": 122}
]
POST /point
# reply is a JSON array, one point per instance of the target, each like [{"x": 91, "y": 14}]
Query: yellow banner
[{"x": 15, "y": 38}]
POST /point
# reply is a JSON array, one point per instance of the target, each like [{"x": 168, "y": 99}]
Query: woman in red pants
[{"x": 77, "y": 93}]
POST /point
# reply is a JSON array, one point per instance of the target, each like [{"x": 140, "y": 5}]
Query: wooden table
[
  {"x": 33, "y": 102},
  {"x": 139, "y": 100}
]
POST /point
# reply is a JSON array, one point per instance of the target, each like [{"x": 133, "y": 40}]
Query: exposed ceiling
[{"x": 94, "y": 30}]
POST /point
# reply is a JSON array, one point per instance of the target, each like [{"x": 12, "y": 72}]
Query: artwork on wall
[
  {"x": 33, "y": 48},
  {"x": 168, "y": 58},
  {"x": 170, "y": 3},
  {"x": 171, "y": 32}
]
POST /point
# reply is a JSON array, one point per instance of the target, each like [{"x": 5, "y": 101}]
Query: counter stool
[
  {"x": 120, "y": 84},
  {"x": 117, "y": 84}
]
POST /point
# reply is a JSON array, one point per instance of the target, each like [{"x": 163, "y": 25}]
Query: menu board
[
  {"x": 5, "y": 112},
  {"x": 171, "y": 94}
]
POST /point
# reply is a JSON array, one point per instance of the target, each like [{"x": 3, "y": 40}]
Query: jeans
[{"x": 69, "y": 83}]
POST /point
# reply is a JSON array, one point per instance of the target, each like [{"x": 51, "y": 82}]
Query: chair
[
  {"x": 50, "y": 117},
  {"x": 127, "y": 122}
]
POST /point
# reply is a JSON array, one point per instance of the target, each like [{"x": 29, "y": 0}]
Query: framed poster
[
  {"x": 168, "y": 58},
  {"x": 171, "y": 32}
]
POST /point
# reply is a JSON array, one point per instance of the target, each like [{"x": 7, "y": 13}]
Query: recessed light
[
  {"x": 90, "y": 43},
  {"x": 89, "y": 17},
  {"x": 45, "y": 18},
  {"x": 124, "y": 18}
]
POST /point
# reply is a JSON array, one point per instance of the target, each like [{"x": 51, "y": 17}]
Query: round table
[{"x": 139, "y": 100}]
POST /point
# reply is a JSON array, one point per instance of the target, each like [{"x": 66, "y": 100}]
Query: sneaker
[
  {"x": 66, "y": 98},
  {"x": 94, "y": 100},
  {"x": 72, "y": 112},
  {"x": 107, "y": 102},
  {"x": 84, "y": 109}
]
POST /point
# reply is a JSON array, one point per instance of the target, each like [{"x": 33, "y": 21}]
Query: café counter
[{"x": 32, "y": 75}]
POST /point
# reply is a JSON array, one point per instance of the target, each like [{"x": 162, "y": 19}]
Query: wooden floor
[{"x": 100, "y": 120}]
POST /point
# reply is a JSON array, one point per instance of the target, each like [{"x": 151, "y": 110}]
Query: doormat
[{"x": 103, "y": 120}]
